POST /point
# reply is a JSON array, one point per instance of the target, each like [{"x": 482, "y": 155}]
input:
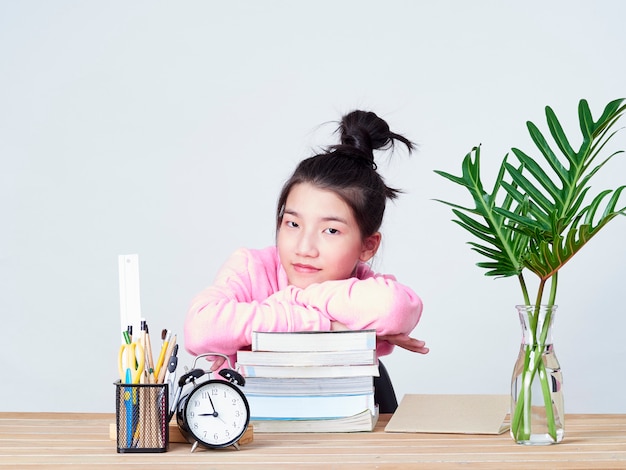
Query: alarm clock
[{"x": 215, "y": 413}]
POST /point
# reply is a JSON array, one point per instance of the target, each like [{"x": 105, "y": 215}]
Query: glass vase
[{"x": 537, "y": 416}]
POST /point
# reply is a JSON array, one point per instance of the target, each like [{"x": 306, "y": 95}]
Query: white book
[
  {"x": 309, "y": 385},
  {"x": 309, "y": 371},
  {"x": 313, "y": 340},
  {"x": 307, "y": 358},
  {"x": 308, "y": 406}
]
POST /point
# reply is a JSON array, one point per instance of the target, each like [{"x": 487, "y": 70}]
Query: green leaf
[
  {"x": 535, "y": 194},
  {"x": 610, "y": 207},
  {"x": 482, "y": 221},
  {"x": 541, "y": 212},
  {"x": 540, "y": 175},
  {"x": 561, "y": 140}
]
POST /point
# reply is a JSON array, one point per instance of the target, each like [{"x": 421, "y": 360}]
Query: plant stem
[
  {"x": 535, "y": 316},
  {"x": 522, "y": 283},
  {"x": 554, "y": 280},
  {"x": 534, "y": 365}
]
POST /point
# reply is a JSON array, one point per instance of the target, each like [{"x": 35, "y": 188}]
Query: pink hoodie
[{"x": 251, "y": 293}]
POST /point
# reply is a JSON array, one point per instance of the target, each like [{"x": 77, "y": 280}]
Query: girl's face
[{"x": 319, "y": 239}]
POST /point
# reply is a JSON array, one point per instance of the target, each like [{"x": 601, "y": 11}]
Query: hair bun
[{"x": 366, "y": 132}]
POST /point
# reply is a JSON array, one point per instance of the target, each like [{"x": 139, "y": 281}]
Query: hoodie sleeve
[
  {"x": 243, "y": 299},
  {"x": 376, "y": 302}
]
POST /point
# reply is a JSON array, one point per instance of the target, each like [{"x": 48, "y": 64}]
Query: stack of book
[{"x": 311, "y": 381}]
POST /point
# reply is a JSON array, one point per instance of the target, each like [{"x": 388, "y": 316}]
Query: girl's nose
[{"x": 306, "y": 245}]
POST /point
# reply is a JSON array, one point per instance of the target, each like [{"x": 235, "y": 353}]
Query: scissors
[{"x": 131, "y": 359}]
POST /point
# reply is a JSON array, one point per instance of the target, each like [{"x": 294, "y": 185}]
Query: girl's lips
[{"x": 305, "y": 268}]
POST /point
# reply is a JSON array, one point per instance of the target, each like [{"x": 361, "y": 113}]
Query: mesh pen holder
[{"x": 141, "y": 417}]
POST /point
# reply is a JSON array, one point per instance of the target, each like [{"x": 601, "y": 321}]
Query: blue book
[{"x": 309, "y": 406}]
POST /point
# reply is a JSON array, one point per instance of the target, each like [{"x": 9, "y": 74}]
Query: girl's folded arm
[
  {"x": 218, "y": 322},
  {"x": 378, "y": 302}
]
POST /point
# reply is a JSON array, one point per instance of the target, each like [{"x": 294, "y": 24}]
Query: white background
[{"x": 167, "y": 128}]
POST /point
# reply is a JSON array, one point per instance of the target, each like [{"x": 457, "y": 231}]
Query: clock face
[{"x": 216, "y": 413}]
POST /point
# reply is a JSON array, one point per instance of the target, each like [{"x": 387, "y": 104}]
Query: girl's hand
[
  {"x": 337, "y": 326},
  {"x": 406, "y": 342},
  {"x": 217, "y": 362},
  {"x": 401, "y": 339}
]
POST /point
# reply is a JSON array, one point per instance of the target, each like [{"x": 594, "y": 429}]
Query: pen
[
  {"x": 129, "y": 410},
  {"x": 166, "y": 360},
  {"x": 126, "y": 337},
  {"x": 159, "y": 363}
]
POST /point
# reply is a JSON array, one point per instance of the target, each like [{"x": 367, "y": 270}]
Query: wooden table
[{"x": 69, "y": 440}]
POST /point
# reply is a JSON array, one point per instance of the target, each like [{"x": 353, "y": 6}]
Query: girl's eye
[
  {"x": 332, "y": 231},
  {"x": 290, "y": 223}
]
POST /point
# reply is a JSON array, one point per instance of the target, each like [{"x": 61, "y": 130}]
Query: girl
[{"x": 316, "y": 277}]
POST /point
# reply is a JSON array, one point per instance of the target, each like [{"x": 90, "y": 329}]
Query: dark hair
[{"x": 349, "y": 170}]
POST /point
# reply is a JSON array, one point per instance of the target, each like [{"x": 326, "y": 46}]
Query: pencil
[
  {"x": 159, "y": 363},
  {"x": 166, "y": 360},
  {"x": 149, "y": 358}
]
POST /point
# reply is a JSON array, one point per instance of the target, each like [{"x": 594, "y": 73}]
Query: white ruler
[{"x": 130, "y": 304}]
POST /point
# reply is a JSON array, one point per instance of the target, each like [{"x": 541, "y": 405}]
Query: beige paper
[{"x": 459, "y": 414}]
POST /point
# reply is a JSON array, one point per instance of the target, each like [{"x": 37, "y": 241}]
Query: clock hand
[
  {"x": 215, "y": 414},
  {"x": 212, "y": 405}
]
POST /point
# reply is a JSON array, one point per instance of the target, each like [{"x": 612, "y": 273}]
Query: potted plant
[{"x": 538, "y": 215}]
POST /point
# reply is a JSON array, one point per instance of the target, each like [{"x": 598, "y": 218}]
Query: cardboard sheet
[{"x": 459, "y": 414}]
